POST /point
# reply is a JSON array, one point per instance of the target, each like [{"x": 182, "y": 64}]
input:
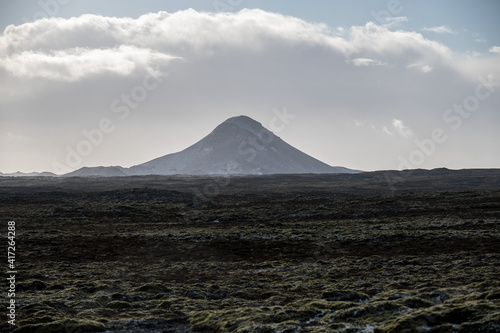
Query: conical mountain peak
[{"x": 239, "y": 145}]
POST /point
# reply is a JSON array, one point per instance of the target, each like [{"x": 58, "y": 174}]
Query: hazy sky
[{"x": 367, "y": 85}]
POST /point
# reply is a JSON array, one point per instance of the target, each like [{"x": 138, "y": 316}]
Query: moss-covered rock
[
  {"x": 438, "y": 318},
  {"x": 490, "y": 324},
  {"x": 252, "y": 294},
  {"x": 493, "y": 295},
  {"x": 31, "y": 285},
  {"x": 154, "y": 288},
  {"x": 416, "y": 302},
  {"x": 118, "y": 305},
  {"x": 344, "y": 295},
  {"x": 63, "y": 326},
  {"x": 56, "y": 287},
  {"x": 240, "y": 319}
]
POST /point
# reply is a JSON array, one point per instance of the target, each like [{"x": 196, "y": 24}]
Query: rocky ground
[{"x": 371, "y": 252}]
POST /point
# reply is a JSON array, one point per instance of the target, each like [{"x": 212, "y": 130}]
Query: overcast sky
[{"x": 368, "y": 85}]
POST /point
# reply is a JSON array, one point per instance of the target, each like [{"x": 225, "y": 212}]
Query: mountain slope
[
  {"x": 28, "y": 174},
  {"x": 239, "y": 145},
  {"x": 101, "y": 171}
]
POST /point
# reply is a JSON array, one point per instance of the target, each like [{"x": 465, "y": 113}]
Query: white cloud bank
[
  {"x": 78, "y": 63},
  {"x": 70, "y": 49},
  {"x": 62, "y": 76}
]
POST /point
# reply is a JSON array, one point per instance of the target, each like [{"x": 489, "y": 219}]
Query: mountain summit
[{"x": 239, "y": 145}]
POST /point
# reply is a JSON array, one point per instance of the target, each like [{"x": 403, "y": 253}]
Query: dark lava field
[{"x": 413, "y": 251}]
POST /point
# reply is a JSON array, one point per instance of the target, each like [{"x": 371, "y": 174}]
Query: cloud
[
  {"x": 397, "y": 127},
  {"x": 495, "y": 49},
  {"x": 392, "y": 46},
  {"x": 403, "y": 130},
  {"x": 443, "y": 29},
  {"x": 387, "y": 130},
  {"x": 77, "y": 63},
  {"x": 162, "y": 31},
  {"x": 395, "y": 21},
  {"x": 422, "y": 67},
  {"x": 360, "y": 62},
  {"x": 16, "y": 137},
  {"x": 71, "y": 49},
  {"x": 389, "y": 21}
]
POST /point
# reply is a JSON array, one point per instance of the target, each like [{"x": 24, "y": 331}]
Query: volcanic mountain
[{"x": 240, "y": 145}]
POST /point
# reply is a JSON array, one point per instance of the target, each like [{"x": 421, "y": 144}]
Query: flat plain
[{"x": 414, "y": 251}]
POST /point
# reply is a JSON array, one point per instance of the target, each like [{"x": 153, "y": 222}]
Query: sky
[{"x": 368, "y": 85}]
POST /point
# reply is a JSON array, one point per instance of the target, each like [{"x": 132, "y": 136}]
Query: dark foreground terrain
[{"x": 381, "y": 252}]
